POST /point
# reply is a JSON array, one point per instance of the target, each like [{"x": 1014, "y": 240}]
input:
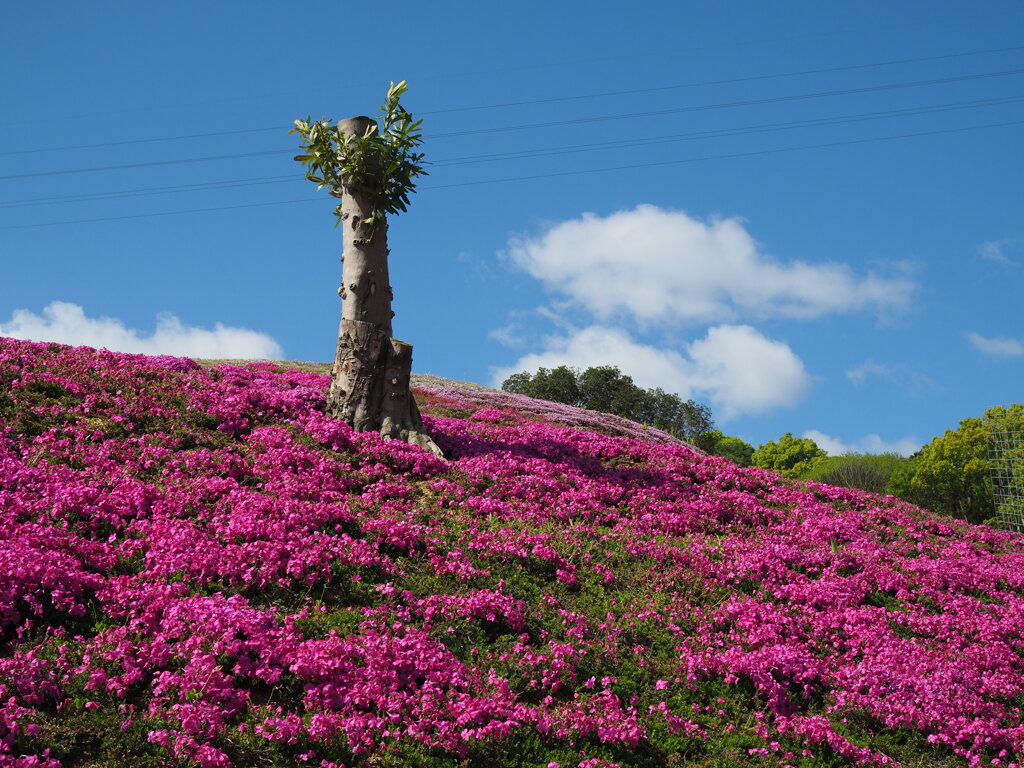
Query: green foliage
[
  {"x": 520, "y": 383},
  {"x": 866, "y": 471},
  {"x": 1000, "y": 416},
  {"x": 791, "y": 456},
  {"x": 558, "y": 385},
  {"x": 732, "y": 448},
  {"x": 707, "y": 441},
  {"x": 667, "y": 411},
  {"x": 902, "y": 477},
  {"x": 1006, "y": 430},
  {"x": 381, "y": 164},
  {"x": 607, "y": 389},
  {"x": 951, "y": 475}
]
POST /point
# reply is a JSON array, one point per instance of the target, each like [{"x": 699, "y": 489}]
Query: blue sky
[{"x": 806, "y": 214}]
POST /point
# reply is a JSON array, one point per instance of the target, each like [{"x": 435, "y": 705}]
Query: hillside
[{"x": 197, "y": 567}]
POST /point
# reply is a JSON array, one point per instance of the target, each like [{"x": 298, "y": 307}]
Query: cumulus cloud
[
  {"x": 999, "y": 346},
  {"x": 735, "y": 367},
  {"x": 67, "y": 323},
  {"x": 872, "y": 443},
  {"x": 745, "y": 372},
  {"x": 600, "y": 345},
  {"x": 659, "y": 265}
]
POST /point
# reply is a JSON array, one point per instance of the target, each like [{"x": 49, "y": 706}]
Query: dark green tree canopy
[{"x": 607, "y": 389}]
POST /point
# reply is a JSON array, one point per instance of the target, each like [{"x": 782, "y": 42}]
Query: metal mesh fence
[{"x": 1006, "y": 457}]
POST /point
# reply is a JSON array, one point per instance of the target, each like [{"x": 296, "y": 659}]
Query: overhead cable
[
  {"x": 555, "y": 123},
  {"x": 536, "y": 152},
  {"x": 632, "y": 166},
  {"x": 530, "y": 102}
]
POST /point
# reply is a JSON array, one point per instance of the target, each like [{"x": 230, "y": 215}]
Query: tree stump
[{"x": 370, "y": 379}]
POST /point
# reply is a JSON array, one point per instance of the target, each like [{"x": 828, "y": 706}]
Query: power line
[
  {"x": 632, "y": 166},
  {"x": 724, "y": 132},
  {"x": 146, "y": 191},
  {"x": 558, "y": 123},
  {"x": 729, "y": 156},
  {"x": 553, "y": 100},
  {"x": 148, "y": 164},
  {"x": 728, "y": 81},
  {"x": 872, "y": 28},
  {"x": 532, "y": 153},
  {"x": 743, "y": 103},
  {"x": 161, "y": 213},
  {"x": 139, "y": 141}
]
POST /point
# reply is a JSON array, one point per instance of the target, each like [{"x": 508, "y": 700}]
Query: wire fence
[{"x": 1006, "y": 457}]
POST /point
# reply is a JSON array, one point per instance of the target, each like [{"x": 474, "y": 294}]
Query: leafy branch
[{"x": 382, "y": 164}]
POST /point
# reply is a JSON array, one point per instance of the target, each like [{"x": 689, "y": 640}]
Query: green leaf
[{"x": 382, "y": 162}]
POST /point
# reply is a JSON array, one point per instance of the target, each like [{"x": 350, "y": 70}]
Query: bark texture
[{"x": 370, "y": 378}]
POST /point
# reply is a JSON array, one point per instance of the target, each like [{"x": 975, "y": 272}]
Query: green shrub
[
  {"x": 716, "y": 443},
  {"x": 791, "y": 456},
  {"x": 866, "y": 471}
]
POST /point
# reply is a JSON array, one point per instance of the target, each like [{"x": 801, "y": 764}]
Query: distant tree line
[
  {"x": 952, "y": 475},
  {"x": 607, "y": 389}
]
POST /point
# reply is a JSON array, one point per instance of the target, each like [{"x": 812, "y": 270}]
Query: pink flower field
[{"x": 198, "y": 568}]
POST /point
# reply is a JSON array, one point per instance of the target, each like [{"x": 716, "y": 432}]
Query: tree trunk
[{"x": 370, "y": 379}]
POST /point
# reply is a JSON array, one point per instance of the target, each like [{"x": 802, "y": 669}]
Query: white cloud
[
  {"x": 868, "y": 444},
  {"x": 661, "y": 266},
  {"x": 67, "y": 323},
  {"x": 745, "y": 372},
  {"x": 995, "y": 250},
  {"x": 996, "y": 347},
  {"x": 509, "y": 335},
  {"x": 736, "y": 368},
  {"x": 860, "y": 374},
  {"x": 599, "y": 345},
  {"x": 900, "y": 373}
]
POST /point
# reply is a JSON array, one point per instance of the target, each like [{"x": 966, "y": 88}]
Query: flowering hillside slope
[{"x": 197, "y": 567}]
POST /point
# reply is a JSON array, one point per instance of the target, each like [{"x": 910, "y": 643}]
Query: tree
[
  {"x": 518, "y": 383},
  {"x": 667, "y": 411},
  {"x": 607, "y": 389},
  {"x": 371, "y": 169},
  {"x": 732, "y": 448},
  {"x": 694, "y": 420},
  {"x": 557, "y": 385},
  {"x": 735, "y": 450},
  {"x": 1006, "y": 452},
  {"x": 790, "y": 456},
  {"x": 951, "y": 474},
  {"x": 974, "y": 472},
  {"x": 901, "y": 481}
]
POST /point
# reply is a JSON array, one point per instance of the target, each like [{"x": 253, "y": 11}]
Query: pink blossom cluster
[
  {"x": 202, "y": 557},
  {"x": 510, "y": 408}
]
